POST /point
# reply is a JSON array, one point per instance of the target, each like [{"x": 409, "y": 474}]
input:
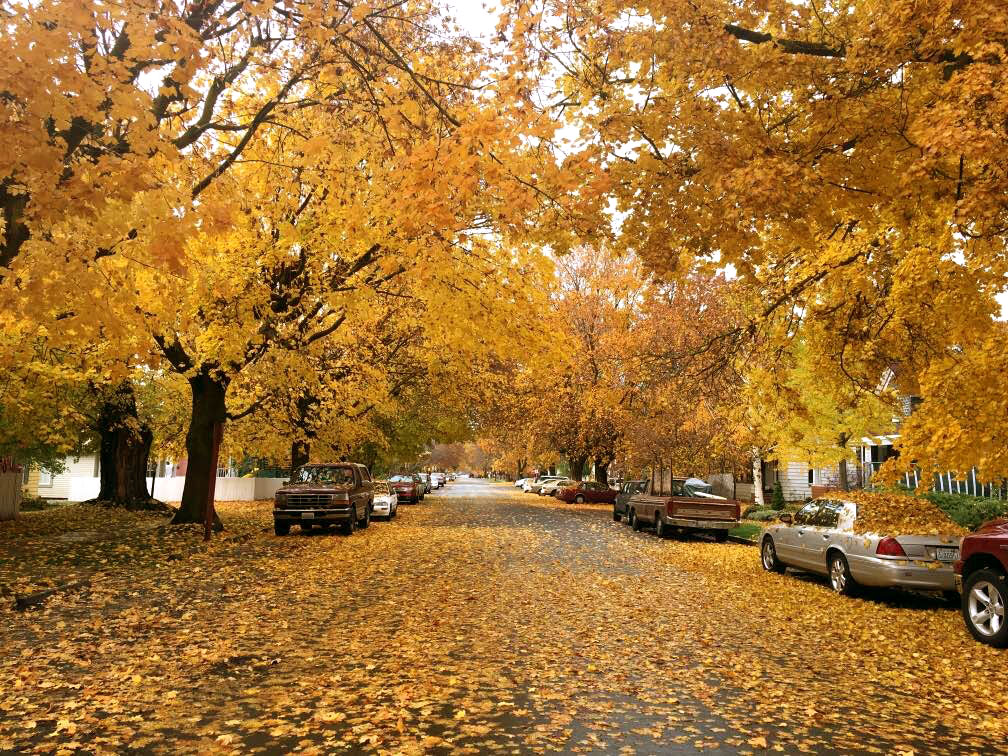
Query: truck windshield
[{"x": 327, "y": 474}]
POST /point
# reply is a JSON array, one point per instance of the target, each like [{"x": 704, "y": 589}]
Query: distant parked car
[
  {"x": 437, "y": 480},
  {"x": 408, "y": 488},
  {"x": 532, "y": 485},
  {"x": 550, "y": 488},
  {"x": 628, "y": 489},
  {"x": 425, "y": 482},
  {"x": 386, "y": 500},
  {"x": 325, "y": 495},
  {"x": 821, "y": 538},
  {"x": 587, "y": 491},
  {"x": 521, "y": 482},
  {"x": 982, "y": 578}
]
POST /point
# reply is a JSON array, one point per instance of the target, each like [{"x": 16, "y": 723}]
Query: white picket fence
[{"x": 10, "y": 494}]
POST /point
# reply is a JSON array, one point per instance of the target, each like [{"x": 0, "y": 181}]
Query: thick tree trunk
[
  {"x": 577, "y": 465},
  {"x": 209, "y": 395},
  {"x": 757, "y": 475},
  {"x": 299, "y": 454},
  {"x": 124, "y": 451},
  {"x": 602, "y": 471}
]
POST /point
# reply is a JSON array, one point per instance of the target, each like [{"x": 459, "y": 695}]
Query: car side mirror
[{"x": 786, "y": 519}]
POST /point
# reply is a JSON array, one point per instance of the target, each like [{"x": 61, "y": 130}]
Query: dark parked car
[
  {"x": 628, "y": 489},
  {"x": 982, "y": 578},
  {"x": 324, "y": 495},
  {"x": 587, "y": 491},
  {"x": 409, "y": 488}
]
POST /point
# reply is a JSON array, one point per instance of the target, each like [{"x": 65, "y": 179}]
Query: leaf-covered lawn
[{"x": 469, "y": 624}]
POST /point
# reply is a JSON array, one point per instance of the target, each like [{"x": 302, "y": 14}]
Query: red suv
[{"x": 982, "y": 578}]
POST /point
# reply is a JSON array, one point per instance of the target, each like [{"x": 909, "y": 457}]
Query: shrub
[
  {"x": 777, "y": 500},
  {"x": 969, "y": 511},
  {"x": 761, "y": 515}
]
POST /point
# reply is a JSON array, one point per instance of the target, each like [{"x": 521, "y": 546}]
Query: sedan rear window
[{"x": 400, "y": 479}]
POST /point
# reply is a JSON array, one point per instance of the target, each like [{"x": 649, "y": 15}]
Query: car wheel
[
  {"x": 985, "y": 593},
  {"x": 392, "y": 512},
  {"x": 367, "y": 517},
  {"x": 659, "y": 527},
  {"x": 720, "y": 536},
  {"x": 839, "y": 575},
  {"x": 616, "y": 516},
  {"x": 351, "y": 524},
  {"x": 579, "y": 499},
  {"x": 768, "y": 555},
  {"x": 281, "y": 528},
  {"x": 635, "y": 522}
]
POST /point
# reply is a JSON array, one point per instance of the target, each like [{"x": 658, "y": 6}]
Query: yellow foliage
[{"x": 898, "y": 514}]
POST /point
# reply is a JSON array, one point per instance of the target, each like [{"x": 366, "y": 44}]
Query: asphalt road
[{"x": 486, "y": 620}]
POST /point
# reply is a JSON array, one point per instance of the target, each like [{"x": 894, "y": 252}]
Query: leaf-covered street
[{"x": 480, "y": 620}]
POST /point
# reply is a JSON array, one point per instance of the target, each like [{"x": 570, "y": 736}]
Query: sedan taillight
[{"x": 889, "y": 546}]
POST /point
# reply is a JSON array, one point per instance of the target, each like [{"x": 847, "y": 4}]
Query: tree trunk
[
  {"x": 299, "y": 454},
  {"x": 209, "y": 407},
  {"x": 844, "y": 483},
  {"x": 757, "y": 476},
  {"x": 577, "y": 465},
  {"x": 124, "y": 451},
  {"x": 602, "y": 471}
]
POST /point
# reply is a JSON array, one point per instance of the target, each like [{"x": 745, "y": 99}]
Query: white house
[{"x": 80, "y": 481}]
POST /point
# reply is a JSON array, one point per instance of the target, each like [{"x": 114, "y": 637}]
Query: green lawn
[{"x": 748, "y": 530}]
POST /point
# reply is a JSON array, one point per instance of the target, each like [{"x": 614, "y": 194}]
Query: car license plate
[
  {"x": 947, "y": 555},
  {"x": 307, "y": 515}
]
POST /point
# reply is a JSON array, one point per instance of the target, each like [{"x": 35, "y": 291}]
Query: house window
[
  {"x": 45, "y": 478},
  {"x": 811, "y": 476}
]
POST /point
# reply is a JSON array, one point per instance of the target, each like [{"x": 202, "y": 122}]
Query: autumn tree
[{"x": 841, "y": 157}]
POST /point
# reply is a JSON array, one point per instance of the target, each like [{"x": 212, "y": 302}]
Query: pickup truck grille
[{"x": 297, "y": 501}]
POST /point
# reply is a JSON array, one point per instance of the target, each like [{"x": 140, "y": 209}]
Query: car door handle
[{"x": 825, "y": 537}]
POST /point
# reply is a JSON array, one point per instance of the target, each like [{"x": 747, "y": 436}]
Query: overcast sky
[{"x": 474, "y": 16}]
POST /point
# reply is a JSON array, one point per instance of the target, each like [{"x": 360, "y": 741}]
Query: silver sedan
[{"x": 820, "y": 538}]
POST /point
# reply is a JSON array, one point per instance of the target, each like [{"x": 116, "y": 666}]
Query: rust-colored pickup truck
[
  {"x": 668, "y": 504},
  {"x": 325, "y": 495}
]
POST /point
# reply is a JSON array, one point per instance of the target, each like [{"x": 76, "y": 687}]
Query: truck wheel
[
  {"x": 367, "y": 517},
  {"x": 351, "y": 524},
  {"x": 659, "y": 527},
  {"x": 616, "y": 515},
  {"x": 635, "y": 522},
  {"x": 281, "y": 528},
  {"x": 985, "y": 593},
  {"x": 579, "y": 499}
]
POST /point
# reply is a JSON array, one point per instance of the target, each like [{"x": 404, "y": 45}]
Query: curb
[{"x": 744, "y": 541}]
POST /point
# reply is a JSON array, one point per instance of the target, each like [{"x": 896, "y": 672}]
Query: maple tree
[
  {"x": 840, "y": 157},
  {"x": 634, "y": 369},
  {"x": 364, "y": 155}
]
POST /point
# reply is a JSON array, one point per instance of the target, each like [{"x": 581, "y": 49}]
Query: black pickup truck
[{"x": 325, "y": 494}]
